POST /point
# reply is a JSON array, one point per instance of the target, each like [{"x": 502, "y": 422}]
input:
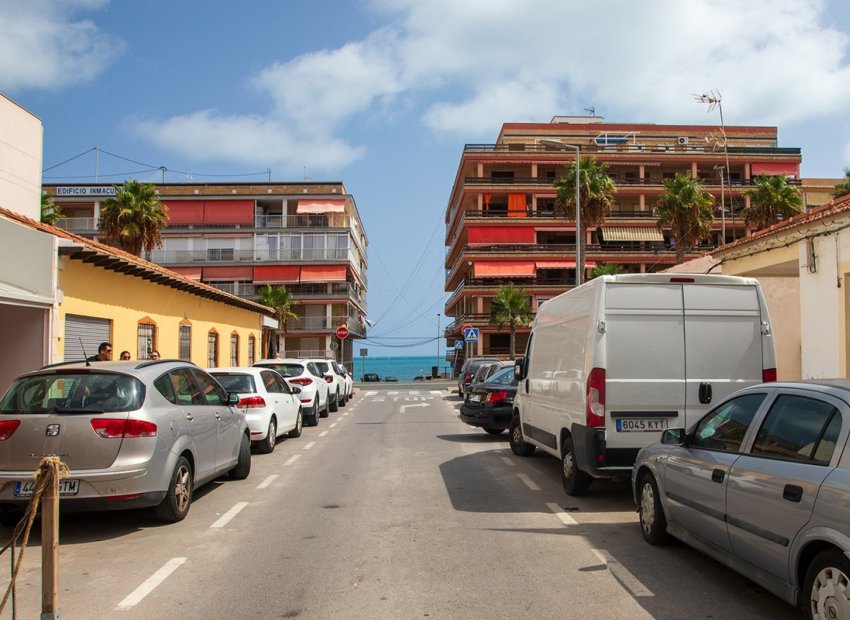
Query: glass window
[
  {"x": 212, "y": 350},
  {"x": 795, "y": 426},
  {"x": 146, "y": 340},
  {"x": 243, "y": 384},
  {"x": 67, "y": 392},
  {"x": 185, "y": 389},
  {"x": 213, "y": 392},
  {"x": 234, "y": 349},
  {"x": 252, "y": 344},
  {"x": 185, "y": 344},
  {"x": 269, "y": 381},
  {"x": 283, "y": 386},
  {"x": 725, "y": 427},
  {"x": 506, "y": 376},
  {"x": 287, "y": 370},
  {"x": 163, "y": 386}
]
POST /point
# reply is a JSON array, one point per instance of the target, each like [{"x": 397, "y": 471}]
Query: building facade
[
  {"x": 238, "y": 237},
  {"x": 502, "y": 226}
]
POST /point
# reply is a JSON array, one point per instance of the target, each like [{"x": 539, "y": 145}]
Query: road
[{"x": 390, "y": 508}]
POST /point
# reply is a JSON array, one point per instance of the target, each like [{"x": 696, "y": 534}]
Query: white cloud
[{"x": 45, "y": 46}]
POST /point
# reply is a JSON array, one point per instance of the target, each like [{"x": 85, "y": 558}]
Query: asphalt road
[{"x": 390, "y": 508}]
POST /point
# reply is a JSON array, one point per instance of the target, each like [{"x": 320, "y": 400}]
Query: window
[
  {"x": 798, "y": 428},
  {"x": 185, "y": 342},
  {"x": 234, "y": 349},
  {"x": 213, "y": 393},
  {"x": 146, "y": 340},
  {"x": 185, "y": 391},
  {"x": 212, "y": 349},
  {"x": 269, "y": 382},
  {"x": 724, "y": 428},
  {"x": 252, "y": 345}
]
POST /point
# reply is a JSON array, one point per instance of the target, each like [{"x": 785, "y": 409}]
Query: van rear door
[{"x": 723, "y": 343}]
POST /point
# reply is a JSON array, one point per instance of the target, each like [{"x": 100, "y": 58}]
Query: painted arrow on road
[{"x": 403, "y": 407}]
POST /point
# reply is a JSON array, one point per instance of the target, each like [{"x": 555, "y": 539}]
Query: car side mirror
[
  {"x": 519, "y": 368},
  {"x": 232, "y": 398},
  {"x": 673, "y": 437},
  {"x": 295, "y": 390}
]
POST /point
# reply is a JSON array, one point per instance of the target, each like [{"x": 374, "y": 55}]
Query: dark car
[
  {"x": 467, "y": 371},
  {"x": 489, "y": 405},
  {"x": 370, "y": 377},
  {"x": 391, "y": 379}
]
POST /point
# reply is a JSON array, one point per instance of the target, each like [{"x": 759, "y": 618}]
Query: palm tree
[
  {"x": 51, "y": 213},
  {"x": 771, "y": 200},
  {"x": 281, "y": 300},
  {"x": 133, "y": 218},
  {"x": 511, "y": 306},
  {"x": 595, "y": 193},
  {"x": 843, "y": 188},
  {"x": 686, "y": 210},
  {"x": 606, "y": 269}
]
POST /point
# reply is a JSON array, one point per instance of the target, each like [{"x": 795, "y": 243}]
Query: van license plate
[
  {"x": 647, "y": 425},
  {"x": 66, "y": 487}
]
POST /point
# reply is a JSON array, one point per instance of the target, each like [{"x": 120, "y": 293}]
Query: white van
[{"x": 612, "y": 363}]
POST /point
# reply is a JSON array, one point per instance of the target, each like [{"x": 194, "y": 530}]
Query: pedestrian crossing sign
[{"x": 470, "y": 334}]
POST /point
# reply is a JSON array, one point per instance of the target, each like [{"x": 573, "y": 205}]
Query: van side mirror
[
  {"x": 673, "y": 437},
  {"x": 519, "y": 368}
]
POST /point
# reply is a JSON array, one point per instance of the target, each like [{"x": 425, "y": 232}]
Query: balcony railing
[
  {"x": 330, "y": 220},
  {"x": 77, "y": 224},
  {"x": 654, "y": 148},
  {"x": 552, "y": 216},
  {"x": 226, "y": 255},
  {"x": 322, "y": 323}
]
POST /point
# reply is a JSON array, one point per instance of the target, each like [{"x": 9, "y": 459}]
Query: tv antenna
[{"x": 592, "y": 110}]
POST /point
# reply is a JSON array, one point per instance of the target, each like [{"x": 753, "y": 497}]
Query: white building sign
[{"x": 85, "y": 190}]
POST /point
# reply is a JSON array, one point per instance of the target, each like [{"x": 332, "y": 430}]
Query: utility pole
[{"x": 438, "y": 346}]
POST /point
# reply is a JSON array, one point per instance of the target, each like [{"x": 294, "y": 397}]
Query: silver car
[
  {"x": 134, "y": 434},
  {"x": 761, "y": 484}
]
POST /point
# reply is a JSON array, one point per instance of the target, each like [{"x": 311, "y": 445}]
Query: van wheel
[
  {"x": 827, "y": 586},
  {"x": 575, "y": 481},
  {"x": 653, "y": 523},
  {"x": 518, "y": 445}
]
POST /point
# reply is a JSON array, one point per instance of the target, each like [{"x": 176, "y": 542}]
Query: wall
[
  {"x": 782, "y": 296},
  {"x": 20, "y": 159},
  {"x": 93, "y": 291},
  {"x": 23, "y": 330}
]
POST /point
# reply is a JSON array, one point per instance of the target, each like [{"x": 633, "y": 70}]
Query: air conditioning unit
[{"x": 682, "y": 140}]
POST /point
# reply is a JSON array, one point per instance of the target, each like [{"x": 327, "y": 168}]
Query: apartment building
[
  {"x": 502, "y": 226},
  {"x": 240, "y": 236}
]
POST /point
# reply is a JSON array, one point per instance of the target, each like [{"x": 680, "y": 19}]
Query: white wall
[
  {"x": 20, "y": 159},
  {"x": 782, "y": 296},
  {"x": 821, "y": 307}
]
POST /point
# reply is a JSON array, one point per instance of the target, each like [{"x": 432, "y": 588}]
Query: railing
[
  {"x": 330, "y": 220},
  {"x": 654, "y": 181},
  {"x": 226, "y": 255},
  {"x": 77, "y": 224},
  {"x": 308, "y": 353},
  {"x": 322, "y": 323},
  {"x": 673, "y": 149},
  {"x": 551, "y": 215}
]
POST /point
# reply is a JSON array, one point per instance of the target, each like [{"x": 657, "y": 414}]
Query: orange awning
[
  {"x": 320, "y": 206},
  {"x": 516, "y": 205},
  {"x": 276, "y": 274},
  {"x": 505, "y": 269},
  {"x": 323, "y": 273},
  {"x": 188, "y": 272},
  {"x": 555, "y": 264},
  {"x": 484, "y": 235},
  {"x": 228, "y": 273}
]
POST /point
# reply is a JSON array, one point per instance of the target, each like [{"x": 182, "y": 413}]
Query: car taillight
[
  {"x": 329, "y": 378},
  {"x": 467, "y": 378},
  {"x": 7, "y": 428},
  {"x": 768, "y": 375},
  {"x": 595, "y": 414},
  {"x": 301, "y": 380},
  {"x": 496, "y": 397},
  {"x": 111, "y": 428},
  {"x": 249, "y": 402}
]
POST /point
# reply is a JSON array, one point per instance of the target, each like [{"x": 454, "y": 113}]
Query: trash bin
[{"x": 435, "y": 372}]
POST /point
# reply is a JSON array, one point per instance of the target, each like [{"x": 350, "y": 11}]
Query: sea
[{"x": 404, "y": 368}]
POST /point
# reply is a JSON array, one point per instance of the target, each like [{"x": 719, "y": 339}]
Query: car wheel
[
  {"x": 575, "y": 481},
  {"x": 827, "y": 586},
  {"x": 314, "y": 419},
  {"x": 243, "y": 462},
  {"x": 494, "y": 431},
  {"x": 178, "y": 498},
  {"x": 299, "y": 424},
  {"x": 267, "y": 445},
  {"x": 653, "y": 523},
  {"x": 518, "y": 444},
  {"x": 334, "y": 406},
  {"x": 326, "y": 411}
]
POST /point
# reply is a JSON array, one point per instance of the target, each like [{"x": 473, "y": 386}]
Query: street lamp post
[
  {"x": 438, "y": 344},
  {"x": 722, "y": 205},
  {"x": 579, "y": 231}
]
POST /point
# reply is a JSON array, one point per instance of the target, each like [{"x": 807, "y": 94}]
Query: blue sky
[{"x": 383, "y": 94}]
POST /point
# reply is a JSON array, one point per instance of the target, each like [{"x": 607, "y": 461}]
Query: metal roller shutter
[{"x": 91, "y": 331}]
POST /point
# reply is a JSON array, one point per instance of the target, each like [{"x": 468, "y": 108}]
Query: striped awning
[{"x": 631, "y": 233}]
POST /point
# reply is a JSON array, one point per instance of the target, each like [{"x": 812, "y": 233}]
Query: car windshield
[
  {"x": 73, "y": 392},
  {"x": 506, "y": 376},
  {"x": 286, "y": 370},
  {"x": 243, "y": 384}
]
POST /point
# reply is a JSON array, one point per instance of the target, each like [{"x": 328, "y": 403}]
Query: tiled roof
[
  {"x": 836, "y": 206},
  {"x": 112, "y": 258}
]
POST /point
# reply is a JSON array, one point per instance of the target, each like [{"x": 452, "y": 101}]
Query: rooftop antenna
[
  {"x": 82, "y": 346},
  {"x": 592, "y": 110},
  {"x": 306, "y": 178}
]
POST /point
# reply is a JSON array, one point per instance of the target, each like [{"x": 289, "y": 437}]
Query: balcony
[
  {"x": 323, "y": 324},
  {"x": 78, "y": 224},
  {"x": 227, "y": 255},
  {"x": 330, "y": 220},
  {"x": 628, "y": 147}
]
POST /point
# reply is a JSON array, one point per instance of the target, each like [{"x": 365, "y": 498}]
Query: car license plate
[
  {"x": 66, "y": 487},
  {"x": 474, "y": 398},
  {"x": 645, "y": 425}
]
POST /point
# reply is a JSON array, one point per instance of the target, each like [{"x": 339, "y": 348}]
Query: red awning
[
  {"x": 775, "y": 168},
  {"x": 553, "y": 264},
  {"x": 323, "y": 273},
  {"x": 229, "y": 212},
  {"x": 505, "y": 269},
  {"x": 320, "y": 206},
  {"x": 189, "y": 272},
  {"x": 228, "y": 273},
  {"x": 482, "y": 235},
  {"x": 277, "y": 274},
  {"x": 182, "y": 212}
]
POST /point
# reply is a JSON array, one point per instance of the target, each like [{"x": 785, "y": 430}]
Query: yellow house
[{"x": 108, "y": 295}]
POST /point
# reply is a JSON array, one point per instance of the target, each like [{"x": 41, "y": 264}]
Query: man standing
[{"x": 104, "y": 353}]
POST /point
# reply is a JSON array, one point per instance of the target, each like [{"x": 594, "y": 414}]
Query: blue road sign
[
  {"x": 470, "y": 334},
  {"x": 458, "y": 345}
]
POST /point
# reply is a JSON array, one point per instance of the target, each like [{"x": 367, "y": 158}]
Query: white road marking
[
  {"x": 332, "y": 425},
  {"x": 267, "y": 481},
  {"x": 292, "y": 459},
  {"x": 344, "y": 414},
  {"x": 438, "y": 392},
  {"x": 370, "y": 393},
  {"x": 323, "y": 433},
  {"x": 628, "y": 580},
  {"x": 403, "y": 407},
  {"x": 310, "y": 445},
  {"x": 150, "y": 583},
  {"x": 565, "y": 518},
  {"x": 227, "y": 516},
  {"x": 413, "y": 392},
  {"x": 393, "y": 393},
  {"x": 507, "y": 461},
  {"x": 528, "y": 482}
]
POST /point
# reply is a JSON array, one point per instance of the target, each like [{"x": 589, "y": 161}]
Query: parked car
[
  {"x": 761, "y": 483},
  {"x": 484, "y": 372},
  {"x": 134, "y": 434},
  {"x": 489, "y": 405},
  {"x": 336, "y": 384},
  {"x": 612, "y": 363},
  {"x": 271, "y": 406},
  {"x": 307, "y": 376},
  {"x": 370, "y": 377},
  {"x": 349, "y": 381},
  {"x": 390, "y": 379},
  {"x": 467, "y": 371}
]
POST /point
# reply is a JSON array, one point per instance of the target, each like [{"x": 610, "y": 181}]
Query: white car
[
  {"x": 307, "y": 376},
  {"x": 271, "y": 406},
  {"x": 336, "y": 384},
  {"x": 349, "y": 382}
]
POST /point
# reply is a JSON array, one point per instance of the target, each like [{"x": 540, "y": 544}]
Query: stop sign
[{"x": 342, "y": 332}]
